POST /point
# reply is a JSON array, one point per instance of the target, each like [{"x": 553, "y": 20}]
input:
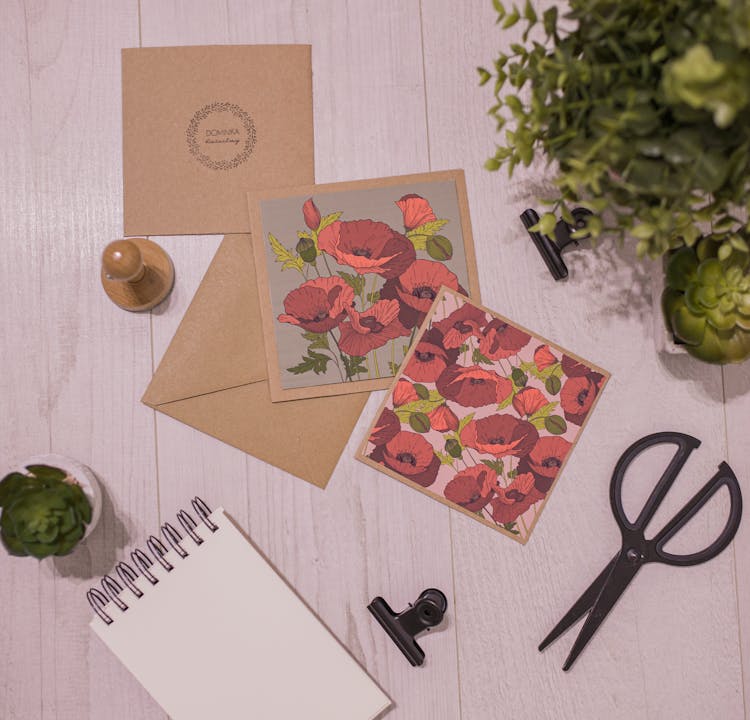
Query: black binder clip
[
  {"x": 551, "y": 250},
  {"x": 403, "y": 627}
]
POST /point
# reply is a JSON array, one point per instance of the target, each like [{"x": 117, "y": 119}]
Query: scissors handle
[
  {"x": 724, "y": 477},
  {"x": 685, "y": 445}
]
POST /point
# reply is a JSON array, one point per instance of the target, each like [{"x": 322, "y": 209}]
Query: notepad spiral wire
[{"x": 112, "y": 588}]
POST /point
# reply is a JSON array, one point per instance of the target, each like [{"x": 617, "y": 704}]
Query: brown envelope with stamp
[
  {"x": 203, "y": 125},
  {"x": 214, "y": 377}
]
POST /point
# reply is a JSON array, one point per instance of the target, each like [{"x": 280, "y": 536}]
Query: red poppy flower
[
  {"x": 460, "y": 325},
  {"x": 500, "y": 340},
  {"x": 417, "y": 287},
  {"x": 430, "y": 358},
  {"x": 386, "y": 428},
  {"x": 543, "y": 357},
  {"x": 514, "y": 500},
  {"x": 577, "y": 396},
  {"x": 573, "y": 368},
  {"x": 318, "y": 305},
  {"x": 500, "y": 435},
  {"x": 472, "y": 488},
  {"x": 403, "y": 393},
  {"x": 416, "y": 211},
  {"x": 528, "y": 401},
  {"x": 473, "y": 386},
  {"x": 443, "y": 419},
  {"x": 410, "y": 455},
  {"x": 311, "y": 214},
  {"x": 545, "y": 460},
  {"x": 368, "y": 247},
  {"x": 371, "y": 329}
]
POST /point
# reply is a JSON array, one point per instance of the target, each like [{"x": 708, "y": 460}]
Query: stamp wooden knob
[{"x": 136, "y": 273}]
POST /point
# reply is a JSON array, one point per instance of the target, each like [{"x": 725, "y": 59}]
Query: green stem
[
  {"x": 330, "y": 332},
  {"x": 372, "y": 289},
  {"x": 325, "y": 260},
  {"x": 393, "y": 355},
  {"x": 375, "y": 360}
]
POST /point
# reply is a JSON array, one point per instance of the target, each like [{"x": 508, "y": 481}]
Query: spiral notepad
[{"x": 212, "y": 631}]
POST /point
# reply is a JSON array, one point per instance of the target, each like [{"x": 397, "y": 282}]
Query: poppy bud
[
  {"x": 453, "y": 448},
  {"x": 311, "y": 214},
  {"x": 403, "y": 393},
  {"x": 416, "y": 211},
  {"x": 439, "y": 247},
  {"x": 306, "y": 250},
  {"x": 442, "y": 419}
]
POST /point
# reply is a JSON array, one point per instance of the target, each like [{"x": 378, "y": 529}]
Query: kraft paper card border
[
  {"x": 347, "y": 272},
  {"x": 483, "y": 415}
]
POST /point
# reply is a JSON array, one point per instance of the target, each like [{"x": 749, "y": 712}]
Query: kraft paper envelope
[
  {"x": 203, "y": 125},
  {"x": 214, "y": 377}
]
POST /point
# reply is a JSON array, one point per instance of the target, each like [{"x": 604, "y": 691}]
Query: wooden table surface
[{"x": 395, "y": 92}]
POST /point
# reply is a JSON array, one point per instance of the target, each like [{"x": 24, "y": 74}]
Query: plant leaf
[
  {"x": 328, "y": 220},
  {"x": 464, "y": 421},
  {"x": 312, "y": 362},
  {"x": 284, "y": 256},
  {"x": 318, "y": 341},
  {"x": 428, "y": 228},
  {"x": 355, "y": 282},
  {"x": 353, "y": 365}
]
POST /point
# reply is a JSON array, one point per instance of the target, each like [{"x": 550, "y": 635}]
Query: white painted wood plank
[
  {"x": 97, "y": 356},
  {"x": 737, "y": 399},
  {"x": 670, "y": 647},
  {"x": 23, "y": 380},
  {"x": 364, "y": 535}
]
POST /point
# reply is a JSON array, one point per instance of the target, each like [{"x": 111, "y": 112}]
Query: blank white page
[{"x": 223, "y": 636}]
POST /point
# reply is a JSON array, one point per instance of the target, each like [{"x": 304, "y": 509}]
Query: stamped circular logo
[{"x": 221, "y": 136}]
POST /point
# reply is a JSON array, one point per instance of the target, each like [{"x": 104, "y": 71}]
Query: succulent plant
[
  {"x": 44, "y": 512},
  {"x": 706, "y": 302}
]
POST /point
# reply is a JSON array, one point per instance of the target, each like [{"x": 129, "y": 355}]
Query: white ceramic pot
[{"x": 83, "y": 475}]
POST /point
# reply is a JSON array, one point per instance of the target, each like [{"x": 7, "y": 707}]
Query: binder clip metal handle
[
  {"x": 551, "y": 249},
  {"x": 403, "y": 627}
]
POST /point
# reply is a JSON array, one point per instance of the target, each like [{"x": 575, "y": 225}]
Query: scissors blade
[
  {"x": 580, "y": 607},
  {"x": 620, "y": 577}
]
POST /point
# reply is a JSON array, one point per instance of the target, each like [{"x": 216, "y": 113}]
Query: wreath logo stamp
[{"x": 221, "y": 136}]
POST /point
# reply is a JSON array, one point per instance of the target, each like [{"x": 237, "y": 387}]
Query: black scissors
[{"x": 636, "y": 551}]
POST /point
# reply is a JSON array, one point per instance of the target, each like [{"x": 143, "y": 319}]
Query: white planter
[
  {"x": 663, "y": 339},
  {"x": 83, "y": 475}
]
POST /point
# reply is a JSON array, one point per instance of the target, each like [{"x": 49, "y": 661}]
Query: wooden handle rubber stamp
[{"x": 137, "y": 274}]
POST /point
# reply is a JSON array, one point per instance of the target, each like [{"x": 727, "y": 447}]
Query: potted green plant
[
  {"x": 48, "y": 507},
  {"x": 644, "y": 107}
]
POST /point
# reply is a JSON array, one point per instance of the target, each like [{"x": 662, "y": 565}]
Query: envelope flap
[{"x": 219, "y": 343}]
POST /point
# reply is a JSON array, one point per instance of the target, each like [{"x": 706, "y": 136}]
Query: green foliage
[
  {"x": 643, "y": 106},
  {"x": 44, "y": 513},
  {"x": 496, "y": 465},
  {"x": 313, "y": 361},
  {"x": 706, "y": 302},
  {"x": 355, "y": 282},
  {"x": 425, "y": 405},
  {"x": 284, "y": 256},
  {"x": 420, "y": 236},
  {"x": 540, "y": 417},
  {"x": 353, "y": 365}
]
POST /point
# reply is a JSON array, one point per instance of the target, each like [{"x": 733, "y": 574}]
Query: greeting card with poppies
[
  {"x": 347, "y": 273},
  {"x": 483, "y": 415}
]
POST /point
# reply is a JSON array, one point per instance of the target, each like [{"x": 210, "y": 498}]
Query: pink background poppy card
[
  {"x": 483, "y": 415},
  {"x": 347, "y": 273}
]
